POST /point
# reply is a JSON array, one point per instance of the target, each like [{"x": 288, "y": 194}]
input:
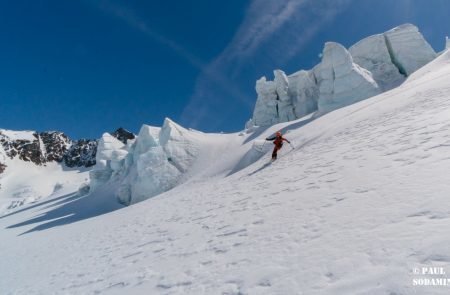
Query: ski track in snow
[{"x": 351, "y": 212}]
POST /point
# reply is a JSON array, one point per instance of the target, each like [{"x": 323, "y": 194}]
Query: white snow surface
[
  {"x": 360, "y": 203},
  {"x": 24, "y": 182}
]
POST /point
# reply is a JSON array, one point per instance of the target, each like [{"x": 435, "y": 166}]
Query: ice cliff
[
  {"x": 371, "y": 66},
  {"x": 152, "y": 163},
  {"x": 341, "y": 82}
]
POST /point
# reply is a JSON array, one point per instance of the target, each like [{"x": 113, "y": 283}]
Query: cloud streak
[
  {"x": 263, "y": 19},
  {"x": 275, "y": 30},
  {"x": 131, "y": 18}
]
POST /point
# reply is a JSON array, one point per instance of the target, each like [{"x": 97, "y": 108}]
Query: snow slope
[
  {"x": 27, "y": 182},
  {"x": 360, "y": 203}
]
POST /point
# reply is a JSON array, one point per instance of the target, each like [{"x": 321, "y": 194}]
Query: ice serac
[
  {"x": 160, "y": 161},
  {"x": 285, "y": 98},
  {"x": 341, "y": 81},
  {"x": 372, "y": 53},
  {"x": 265, "y": 112},
  {"x": 285, "y": 106},
  {"x": 371, "y": 66},
  {"x": 110, "y": 156},
  {"x": 304, "y": 92},
  {"x": 156, "y": 161},
  {"x": 408, "y": 48}
]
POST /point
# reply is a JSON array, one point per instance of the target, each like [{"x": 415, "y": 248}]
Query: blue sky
[{"x": 86, "y": 67}]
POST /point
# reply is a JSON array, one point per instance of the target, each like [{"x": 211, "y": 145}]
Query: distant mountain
[
  {"x": 52, "y": 146},
  {"x": 35, "y": 165}
]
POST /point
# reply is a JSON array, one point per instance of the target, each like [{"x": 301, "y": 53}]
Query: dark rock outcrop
[
  {"x": 2, "y": 168},
  {"x": 56, "y": 145},
  {"x": 123, "y": 135},
  {"x": 81, "y": 153},
  {"x": 52, "y": 146},
  {"x": 26, "y": 150}
]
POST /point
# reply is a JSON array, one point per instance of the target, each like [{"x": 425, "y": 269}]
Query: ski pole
[{"x": 262, "y": 147}]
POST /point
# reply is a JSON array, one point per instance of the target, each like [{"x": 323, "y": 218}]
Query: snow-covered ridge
[{"x": 373, "y": 65}]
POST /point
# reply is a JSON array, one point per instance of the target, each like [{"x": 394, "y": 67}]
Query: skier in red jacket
[{"x": 278, "y": 142}]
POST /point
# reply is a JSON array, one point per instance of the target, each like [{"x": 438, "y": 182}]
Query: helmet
[{"x": 278, "y": 133}]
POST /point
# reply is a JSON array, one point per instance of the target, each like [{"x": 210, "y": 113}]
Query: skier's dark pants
[{"x": 275, "y": 150}]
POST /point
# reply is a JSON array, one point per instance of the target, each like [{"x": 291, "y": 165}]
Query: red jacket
[{"x": 278, "y": 141}]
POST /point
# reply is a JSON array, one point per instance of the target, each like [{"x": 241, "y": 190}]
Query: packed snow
[
  {"x": 357, "y": 207},
  {"x": 28, "y": 183}
]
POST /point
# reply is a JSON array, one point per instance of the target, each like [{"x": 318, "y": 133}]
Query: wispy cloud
[
  {"x": 273, "y": 30},
  {"x": 263, "y": 19},
  {"x": 131, "y": 18}
]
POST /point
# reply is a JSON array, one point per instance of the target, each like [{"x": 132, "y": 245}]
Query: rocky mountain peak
[{"x": 49, "y": 146}]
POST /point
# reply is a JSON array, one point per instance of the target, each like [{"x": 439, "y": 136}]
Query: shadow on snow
[{"x": 67, "y": 209}]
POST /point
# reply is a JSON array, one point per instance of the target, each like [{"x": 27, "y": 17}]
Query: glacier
[
  {"x": 135, "y": 168},
  {"x": 354, "y": 209},
  {"x": 372, "y": 54},
  {"x": 152, "y": 163},
  {"x": 159, "y": 159},
  {"x": 341, "y": 82},
  {"x": 373, "y": 65}
]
